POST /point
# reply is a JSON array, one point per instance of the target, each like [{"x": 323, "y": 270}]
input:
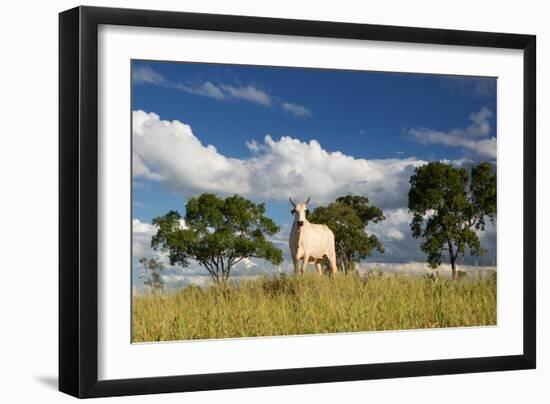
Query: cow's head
[{"x": 299, "y": 210}]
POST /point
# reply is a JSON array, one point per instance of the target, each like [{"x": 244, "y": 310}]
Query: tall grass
[{"x": 308, "y": 304}]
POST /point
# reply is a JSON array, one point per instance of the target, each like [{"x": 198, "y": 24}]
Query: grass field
[{"x": 308, "y": 304}]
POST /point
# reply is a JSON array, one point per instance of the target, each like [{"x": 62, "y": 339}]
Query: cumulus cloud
[
  {"x": 169, "y": 152},
  {"x": 141, "y": 239},
  {"x": 395, "y": 234},
  {"x": 394, "y": 227},
  {"x": 470, "y": 138},
  {"x": 296, "y": 109}
]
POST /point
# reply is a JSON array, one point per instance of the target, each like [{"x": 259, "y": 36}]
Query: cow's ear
[
  {"x": 307, "y": 211},
  {"x": 293, "y": 211}
]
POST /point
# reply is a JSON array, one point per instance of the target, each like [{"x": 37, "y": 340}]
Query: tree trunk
[
  {"x": 347, "y": 265},
  {"x": 453, "y": 267},
  {"x": 228, "y": 269},
  {"x": 452, "y": 256}
]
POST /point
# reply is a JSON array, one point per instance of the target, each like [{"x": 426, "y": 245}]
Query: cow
[{"x": 310, "y": 242}]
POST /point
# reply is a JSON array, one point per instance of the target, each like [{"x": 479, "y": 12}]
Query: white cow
[{"x": 310, "y": 242}]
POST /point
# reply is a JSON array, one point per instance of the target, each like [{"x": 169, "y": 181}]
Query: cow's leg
[
  {"x": 332, "y": 264},
  {"x": 305, "y": 262},
  {"x": 296, "y": 263},
  {"x": 319, "y": 267}
]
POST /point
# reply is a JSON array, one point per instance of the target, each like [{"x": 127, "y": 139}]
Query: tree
[
  {"x": 449, "y": 206},
  {"x": 348, "y": 218},
  {"x": 218, "y": 234},
  {"x": 153, "y": 278}
]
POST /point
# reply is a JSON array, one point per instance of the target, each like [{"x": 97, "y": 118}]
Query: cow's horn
[
  {"x": 293, "y": 204},
  {"x": 306, "y": 202}
]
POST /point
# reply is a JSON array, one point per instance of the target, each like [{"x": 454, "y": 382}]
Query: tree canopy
[
  {"x": 218, "y": 234},
  {"x": 449, "y": 205},
  {"x": 348, "y": 218}
]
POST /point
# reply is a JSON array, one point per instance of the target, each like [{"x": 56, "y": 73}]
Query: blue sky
[{"x": 276, "y": 132}]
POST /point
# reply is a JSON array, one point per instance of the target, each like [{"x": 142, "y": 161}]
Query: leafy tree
[
  {"x": 153, "y": 268},
  {"x": 218, "y": 234},
  {"x": 348, "y": 218},
  {"x": 448, "y": 206}
]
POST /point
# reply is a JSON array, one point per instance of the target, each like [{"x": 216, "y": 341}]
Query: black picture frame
[{"x": 78, "y": 201}]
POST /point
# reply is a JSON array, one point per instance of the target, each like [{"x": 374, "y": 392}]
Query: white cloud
[
  {"x": 253, "y": 146},
  {"x": 139, "y": 227},
  {"x": 480, "y": 126},
  {"x": 394, "y": 227},
  {"x": 141, "y": 240},
  {"x": 142, "y": 233},
  {"x": 169, "y": 152},
  {"x": 206, "y": 89},
  {"x": 296, "y": 109},
  {"x": 140, "y": 169},
  {"x": 468, "y": 138},
  {"x": 146, "y": 75},
  {"x": 485, "y": 148},
  {"x": 226, "y": 92},
  {"x": 248, "y": 93},
  {"x": 248, "y": 263},
  {"x": 395, "y": 235},
  {"x": 478, "y": 86}
]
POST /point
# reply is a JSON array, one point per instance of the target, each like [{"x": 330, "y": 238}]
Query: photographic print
[{"x": 272, "y": 201}]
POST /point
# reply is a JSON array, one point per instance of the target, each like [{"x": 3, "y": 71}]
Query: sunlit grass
[{"x": 308, "y": 304}]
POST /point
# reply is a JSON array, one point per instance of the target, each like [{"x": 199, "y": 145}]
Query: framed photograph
[{"x": 251, "y": 201}]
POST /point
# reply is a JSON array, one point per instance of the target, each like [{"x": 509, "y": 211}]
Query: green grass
[{"x": 309, "y": 304}]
